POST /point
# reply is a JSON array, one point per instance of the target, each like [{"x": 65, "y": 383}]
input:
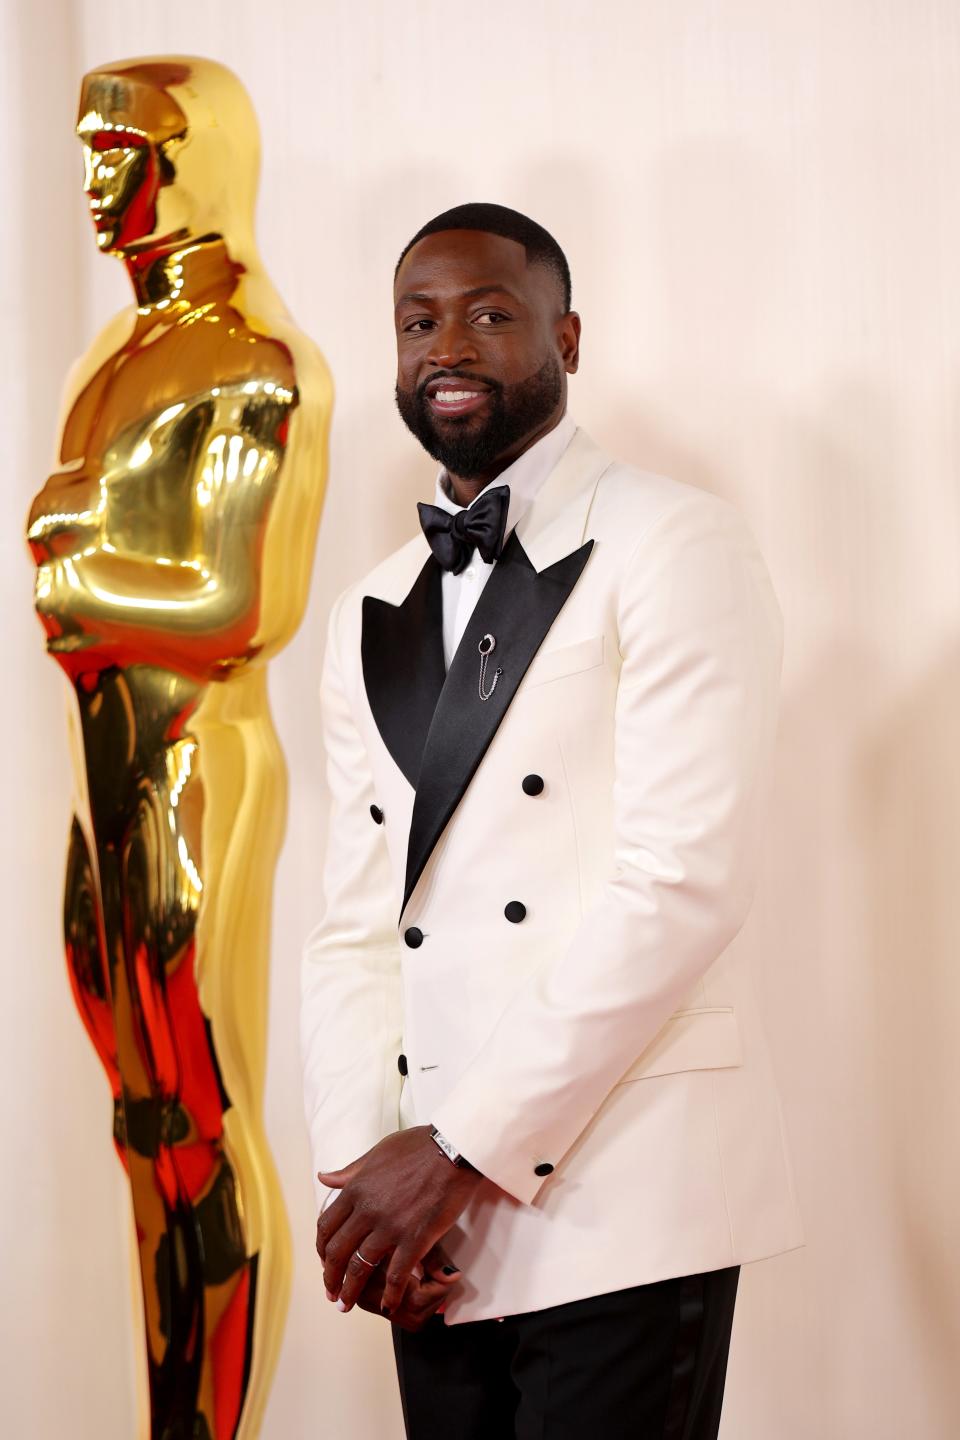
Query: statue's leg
[
  {"x": 206, "y": 1180},
  {"x": 198, "y": 1267},
  {"x": 233, "y": 970},
  {"x": 86, "y": 952}
]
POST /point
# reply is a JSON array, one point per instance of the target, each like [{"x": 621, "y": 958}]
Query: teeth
[{"x": 448, "y": 397}]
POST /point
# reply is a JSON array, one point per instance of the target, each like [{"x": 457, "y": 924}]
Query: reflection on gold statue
[{"x": 173, "y": 548}]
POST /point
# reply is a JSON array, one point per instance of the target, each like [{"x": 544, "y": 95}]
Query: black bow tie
[{"x": 453, "y": 538}]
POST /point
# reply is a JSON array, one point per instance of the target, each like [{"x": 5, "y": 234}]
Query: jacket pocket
[
  {"x": 704, "y": 1038},
  {"x": 564, "y": 660}
]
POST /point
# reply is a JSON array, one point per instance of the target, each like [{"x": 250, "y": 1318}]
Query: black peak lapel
[
  {"x": 401, "y": 651},
  {"x": 517, "y": 606}
]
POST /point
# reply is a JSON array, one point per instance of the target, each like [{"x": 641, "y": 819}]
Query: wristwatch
[{"x": 451, "y": 1152}]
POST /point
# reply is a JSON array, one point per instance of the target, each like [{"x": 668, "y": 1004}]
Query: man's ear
[{"x": 568, "y": 336}]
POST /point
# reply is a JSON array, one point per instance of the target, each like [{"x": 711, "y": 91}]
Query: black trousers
[{"x": 647, "y": 1363}]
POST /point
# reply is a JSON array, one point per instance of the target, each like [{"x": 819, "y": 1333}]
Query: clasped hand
[{"x": 395, "y": 1204}]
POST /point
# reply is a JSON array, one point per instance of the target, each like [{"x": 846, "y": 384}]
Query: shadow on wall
[
  {"x": 866, "y": 838},
  {"x": 704, "y": 298},
  {"x": 906, "y": 809}
]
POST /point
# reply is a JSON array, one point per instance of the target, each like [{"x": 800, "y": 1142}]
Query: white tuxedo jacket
[{"x": 600, "y": 1059}]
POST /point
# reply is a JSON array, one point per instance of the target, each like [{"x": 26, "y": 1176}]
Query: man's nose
[{"x": 452, "y": 343}]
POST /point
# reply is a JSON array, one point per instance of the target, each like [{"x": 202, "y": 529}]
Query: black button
[
  {"x": 515, "y": 911},
  {"x": 402, "y": 1064},
  {"x": 377, "y": 814},
  {"x": 545, "y": 1169},
  {"x": 532, "y": 784},
  {"x": 413, "y": 937}
]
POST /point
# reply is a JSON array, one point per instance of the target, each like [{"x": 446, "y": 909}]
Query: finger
[
  {"x": 333, "y": 1179},
  {"x": 372, "y": 1292},
  {"x": 437, "y": 1265},
  {"x": 339, "y": 1249},
  {"x": 430, "y": 1293},
  {"x": 375, "y": 1249},
  {"x": 338, "y": 1178},
  {"x": 399, "y": 1266},
  {"x": 415, "y": 1311},
  {"x": 370, "y": 1295},
  {"x": 329, "y": 1221}
]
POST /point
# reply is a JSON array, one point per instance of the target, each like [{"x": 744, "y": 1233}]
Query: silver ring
[{"x": 372, "y": 1263}]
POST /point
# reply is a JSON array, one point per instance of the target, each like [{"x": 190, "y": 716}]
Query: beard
[{"x": 468, "y": 449}]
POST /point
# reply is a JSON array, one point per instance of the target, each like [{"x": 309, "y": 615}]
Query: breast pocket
[{"x": 564, "y": 660}]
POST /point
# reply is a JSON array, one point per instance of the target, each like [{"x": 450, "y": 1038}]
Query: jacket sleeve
[
  {"x": 701, "y": 638},
  {"x": 350, "y": 1010}
]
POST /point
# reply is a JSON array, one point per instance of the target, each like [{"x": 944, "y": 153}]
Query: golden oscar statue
[{"x": 173, "y": 548}]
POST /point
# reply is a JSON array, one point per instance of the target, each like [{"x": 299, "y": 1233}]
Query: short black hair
[{"x": 539, "y": 244}]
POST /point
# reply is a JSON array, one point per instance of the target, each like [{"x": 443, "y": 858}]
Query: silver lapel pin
[{"x": 485, "y": 646}]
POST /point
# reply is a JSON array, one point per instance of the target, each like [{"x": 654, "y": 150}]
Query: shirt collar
[{"x": 524, "y": 476}]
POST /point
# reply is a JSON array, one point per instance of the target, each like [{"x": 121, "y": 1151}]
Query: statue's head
[{"x": 171, "y": 151}]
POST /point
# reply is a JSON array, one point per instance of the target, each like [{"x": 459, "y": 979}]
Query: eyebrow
[{"x": 465, "y": 294}]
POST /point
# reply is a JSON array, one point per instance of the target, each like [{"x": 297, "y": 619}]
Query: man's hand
[{"x": 395, "y": 1203}]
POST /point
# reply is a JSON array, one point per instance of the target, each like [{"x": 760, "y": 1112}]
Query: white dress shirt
[{"x": 524, "y": 476}]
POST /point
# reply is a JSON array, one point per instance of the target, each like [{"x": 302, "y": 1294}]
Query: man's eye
[
  {"x": 493, "y": 316},
  {"x": 415, "y": 324}
]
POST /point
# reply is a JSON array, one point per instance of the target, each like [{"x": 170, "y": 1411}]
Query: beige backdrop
[{"x": 761, "y": 208}]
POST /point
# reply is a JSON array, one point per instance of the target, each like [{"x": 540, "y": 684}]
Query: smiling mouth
[{"x": 450, "y": 400}]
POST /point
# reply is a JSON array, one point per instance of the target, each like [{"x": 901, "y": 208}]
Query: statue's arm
[{"x": 127, "y": 585}]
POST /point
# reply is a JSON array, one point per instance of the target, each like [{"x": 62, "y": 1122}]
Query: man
[{"x": 549, "y": 721}]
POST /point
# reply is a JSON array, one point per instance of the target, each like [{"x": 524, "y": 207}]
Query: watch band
[{"x": 450, "y": 1150}]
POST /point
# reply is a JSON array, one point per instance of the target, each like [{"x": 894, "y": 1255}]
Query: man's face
[{"x": 483, "y": 349}]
